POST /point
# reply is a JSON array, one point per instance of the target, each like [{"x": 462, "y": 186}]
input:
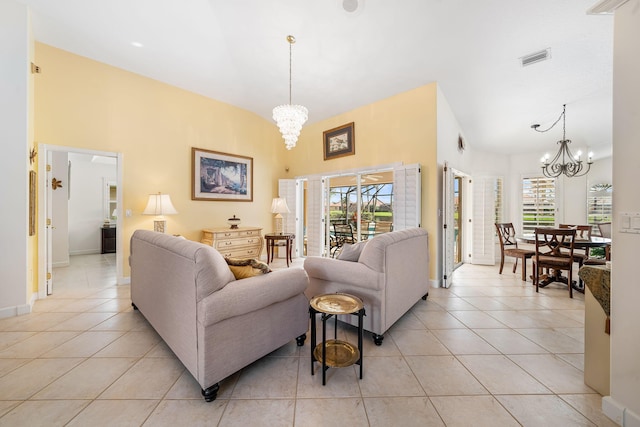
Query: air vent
[{"x": 543, "y": 55}]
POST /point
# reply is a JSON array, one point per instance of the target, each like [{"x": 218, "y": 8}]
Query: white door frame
[{"x": 44, "y": 263}]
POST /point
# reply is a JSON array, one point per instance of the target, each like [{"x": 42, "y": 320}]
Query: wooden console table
[{"x": 241, "y": 242}]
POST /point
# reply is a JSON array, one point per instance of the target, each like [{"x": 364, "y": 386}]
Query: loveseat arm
[
  {"x": 344, "y": 272},
  {"x": 247, "y": 295}
]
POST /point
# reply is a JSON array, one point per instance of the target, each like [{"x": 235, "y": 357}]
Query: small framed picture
[
  {"x": 339, "y": 142},
  {"x": 221, "y": 176}
]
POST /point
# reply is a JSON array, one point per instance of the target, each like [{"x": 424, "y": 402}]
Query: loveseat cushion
[{"x": 251, "y": 294}]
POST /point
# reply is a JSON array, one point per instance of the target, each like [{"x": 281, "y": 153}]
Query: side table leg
[
  {"x": 360, "y": 316},
  {"x": 288, "y": 252},
  {"x": 312, "y": 313},
  {"x": 324, "y": 349}
]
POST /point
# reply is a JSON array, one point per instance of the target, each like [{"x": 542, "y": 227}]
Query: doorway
[
  {"x": 74, "y": 206},
  {"x": 458, "y": 229}
]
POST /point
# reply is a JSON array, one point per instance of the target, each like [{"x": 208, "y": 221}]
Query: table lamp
[
  {"x": 278, "y": 207},
  {"x": 159, "y": 205}
]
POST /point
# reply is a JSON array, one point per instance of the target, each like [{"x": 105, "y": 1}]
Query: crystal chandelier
[
  {"x": 564, "y": 162},
  {"x": 290, "y": 118}
]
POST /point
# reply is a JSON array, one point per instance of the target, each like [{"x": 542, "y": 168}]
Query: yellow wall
[
  {"x": 86, "y": 104},
  {"x": 81, "y": 103},
  {"x": 401, "y": 128}
]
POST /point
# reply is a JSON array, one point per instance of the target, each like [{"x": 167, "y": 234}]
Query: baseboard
[
  {"x": 85, "y": 252},
  {"x": 619, "y": 414},
  {"x": 60, "y": 264},
  {"x": 15, "y": 310},
  {"x": 124, "y": 280}
]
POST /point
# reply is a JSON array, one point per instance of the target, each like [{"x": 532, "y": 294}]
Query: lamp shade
[
  {"x": 159, "y": 204},
  {"x": 279, "y": 206}
]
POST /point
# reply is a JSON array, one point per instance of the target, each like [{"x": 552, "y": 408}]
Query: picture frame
[
  {"x": 217, "y": 176},
  {"x": 339, "y": 142}
]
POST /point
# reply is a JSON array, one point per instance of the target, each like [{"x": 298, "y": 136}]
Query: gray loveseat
[
  {"x": 390, "y": 275},
  {"x": 215, "y": 325}
]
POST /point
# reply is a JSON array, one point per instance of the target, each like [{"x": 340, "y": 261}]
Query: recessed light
[{"x": 137, "y": 44}]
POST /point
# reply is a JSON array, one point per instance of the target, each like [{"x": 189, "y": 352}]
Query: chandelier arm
[{"x": 564, "y": 161}]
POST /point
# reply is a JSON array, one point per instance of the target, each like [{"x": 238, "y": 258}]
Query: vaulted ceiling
[{"x": 236, "y": 52}]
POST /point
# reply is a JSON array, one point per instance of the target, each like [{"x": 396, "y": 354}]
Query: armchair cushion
[{"x": 338, "y": 271}]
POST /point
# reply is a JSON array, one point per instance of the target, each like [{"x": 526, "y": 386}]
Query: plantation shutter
[
  {"x": 315, "y": 216},
  {"x": 483, "y": 229},
  {"x": 407, "y": 197}
]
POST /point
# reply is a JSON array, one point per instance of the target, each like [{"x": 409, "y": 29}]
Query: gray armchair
[{"x": 390, "y": 275}]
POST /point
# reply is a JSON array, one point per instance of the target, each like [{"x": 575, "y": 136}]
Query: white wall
[
  {"x": 571, "y": 192},
  {"x": 86, "y": 202},
  {"x": 14, "y": 162},
  {"x": 625, "y": 294}
]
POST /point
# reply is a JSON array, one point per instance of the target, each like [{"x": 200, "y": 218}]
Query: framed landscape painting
[
  {"x": 221, "y": 176},
  {"x": 339, "y": 142}
]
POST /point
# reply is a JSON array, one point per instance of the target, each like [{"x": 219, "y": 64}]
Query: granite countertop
[{"x": 598, "y": 280}]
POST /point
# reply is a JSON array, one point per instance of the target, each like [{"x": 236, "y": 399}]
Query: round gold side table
[{"x": 335, "y": 353}]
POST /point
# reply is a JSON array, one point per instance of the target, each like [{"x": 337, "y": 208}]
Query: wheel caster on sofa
[
  {"x": 300, "y": 340},
  {"x": 135, "y": 307},
  {"x": 377, "y": 339},
  {"x": 424, "y": 297},
  {"x": 211, "y": 393}
]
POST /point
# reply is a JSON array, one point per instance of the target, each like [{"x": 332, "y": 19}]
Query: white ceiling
[{"x": 236, "y": 51}]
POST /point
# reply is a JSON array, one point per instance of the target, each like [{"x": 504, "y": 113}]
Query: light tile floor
[{"x": 488, "y": 351}]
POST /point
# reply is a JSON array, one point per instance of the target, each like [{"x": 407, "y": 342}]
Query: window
[
  {"x": 538, "y": 203},
  {"x": 599, "y": 204}
]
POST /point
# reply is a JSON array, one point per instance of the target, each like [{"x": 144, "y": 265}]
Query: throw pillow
[
  {"x": 351, "y": 252},
  {"x": 249, "y": 267}
]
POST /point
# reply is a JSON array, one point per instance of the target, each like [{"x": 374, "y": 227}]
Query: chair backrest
[
  {"x": 383, "y": 227},
  {"x": 506, "y": 234},
  {"x": 555, "y": 241},
  {"x": 343, "y": 230},
  {"x": 583, "y": 232},
  {"x": 605, "y": 229}
]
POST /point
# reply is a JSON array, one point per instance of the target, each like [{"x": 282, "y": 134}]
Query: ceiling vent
[
  {"x": 605, "y": 7},
  {"x": 543, "y": 55}
]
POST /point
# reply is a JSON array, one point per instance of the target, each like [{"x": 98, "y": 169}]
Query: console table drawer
[
  {"x": 240, "y": 253},
  {"x": 234, "y": 243}
]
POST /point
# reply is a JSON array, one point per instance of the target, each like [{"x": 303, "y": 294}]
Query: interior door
[
  {"x": 448, "y": 226},
  {"x": 49, "y": 225}
]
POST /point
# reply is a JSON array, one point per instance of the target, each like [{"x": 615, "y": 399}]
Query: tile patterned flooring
[{"x": 488, "y": 351}]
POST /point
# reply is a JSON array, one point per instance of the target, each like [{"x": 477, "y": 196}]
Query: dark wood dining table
[{"x": 592, "y": 242}]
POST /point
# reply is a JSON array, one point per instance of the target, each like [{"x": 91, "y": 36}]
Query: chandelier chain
[
  {"x": 535, "y": 127},
  {"x": 290, "y": 47}
]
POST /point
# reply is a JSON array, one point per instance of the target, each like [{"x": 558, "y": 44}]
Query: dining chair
[
  {"x": 554, "y": 251},
  {"x": 605, "y": 229},
  {"x": 509, "y": 247},
  {"x": 383, "y": 227},
  {"x": 583, "y": 232}
]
